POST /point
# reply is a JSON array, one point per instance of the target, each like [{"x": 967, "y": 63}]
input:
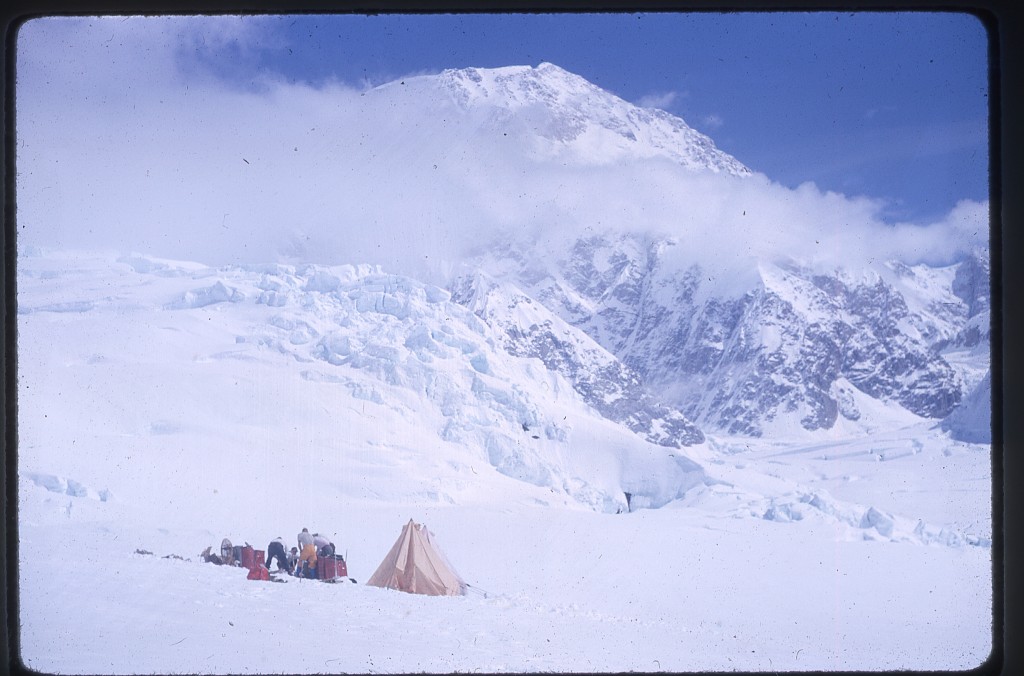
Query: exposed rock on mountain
[{"x": 786, "y": 347}]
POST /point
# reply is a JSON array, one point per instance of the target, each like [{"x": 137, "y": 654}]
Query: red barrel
[
  {"x": 248, "y": 558},
  {"x": 258, "y": 573},
  {"x": 330, "y": 567}
]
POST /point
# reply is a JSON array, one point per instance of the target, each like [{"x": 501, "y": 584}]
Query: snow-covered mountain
[
  {"x": 570, "y": 117},
  {"x": 748, "y": 349},
  {"x": 546, "y": 180},
  {"x": 787, "y": 346}
]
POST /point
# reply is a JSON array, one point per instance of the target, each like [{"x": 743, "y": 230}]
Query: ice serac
[
  {"x": 617, "y": 392},
  {"x": 580, "y": 119},
  {"x": 789, "y": 345},
  {"x": 404, "y": 349}
]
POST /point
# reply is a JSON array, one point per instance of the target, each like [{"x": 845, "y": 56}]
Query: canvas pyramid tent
[{"x": 415, "y": 565}]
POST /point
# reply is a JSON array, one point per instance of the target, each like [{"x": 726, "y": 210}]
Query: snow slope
[{"x": 165, "y": 405}]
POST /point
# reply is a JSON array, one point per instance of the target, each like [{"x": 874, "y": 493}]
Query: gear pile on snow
[{"x": 325, "y": 566}]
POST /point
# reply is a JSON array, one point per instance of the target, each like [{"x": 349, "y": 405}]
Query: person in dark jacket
[
  {"x": 324, "y": 547},
  {"x": 276, "y": 550}
]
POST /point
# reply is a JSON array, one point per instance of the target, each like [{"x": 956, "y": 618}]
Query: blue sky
[{"x": 891, "y": 105}]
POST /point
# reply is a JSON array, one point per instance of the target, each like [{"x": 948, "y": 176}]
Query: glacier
[{"x": 350, "y": 399}]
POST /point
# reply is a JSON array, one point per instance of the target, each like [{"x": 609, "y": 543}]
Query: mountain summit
[{"x": 577, "y": 119}]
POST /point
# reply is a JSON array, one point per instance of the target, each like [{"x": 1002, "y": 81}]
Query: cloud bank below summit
[{"x": 171, "y": 161}]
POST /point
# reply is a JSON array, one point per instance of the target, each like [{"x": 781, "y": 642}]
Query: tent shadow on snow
[{"x": 417, "y": 566}]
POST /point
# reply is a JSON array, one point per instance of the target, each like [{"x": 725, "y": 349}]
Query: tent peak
[{"x": 415, "y": 565}]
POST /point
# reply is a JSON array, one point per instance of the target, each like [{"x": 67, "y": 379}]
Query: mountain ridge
[{"x": 790, "y": 343}]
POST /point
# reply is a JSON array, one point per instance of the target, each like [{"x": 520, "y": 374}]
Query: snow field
[
  {"x": 151, "y": 419},
  {"x": 568, "y": 590}
]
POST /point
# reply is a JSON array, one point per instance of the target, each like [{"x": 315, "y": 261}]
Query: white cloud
[
  {"x": 148, "y": 160},
  {"x": 965, "y": 228},
  {"x": 658, "y": 100}
]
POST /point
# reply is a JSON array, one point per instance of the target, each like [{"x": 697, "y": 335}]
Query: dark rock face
[
  {"x": 611, "y": 388},
  {"x": 972, "y": 285},
  {"x": 795, "y": 344},
  {"x": 886, "y": 363}
]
